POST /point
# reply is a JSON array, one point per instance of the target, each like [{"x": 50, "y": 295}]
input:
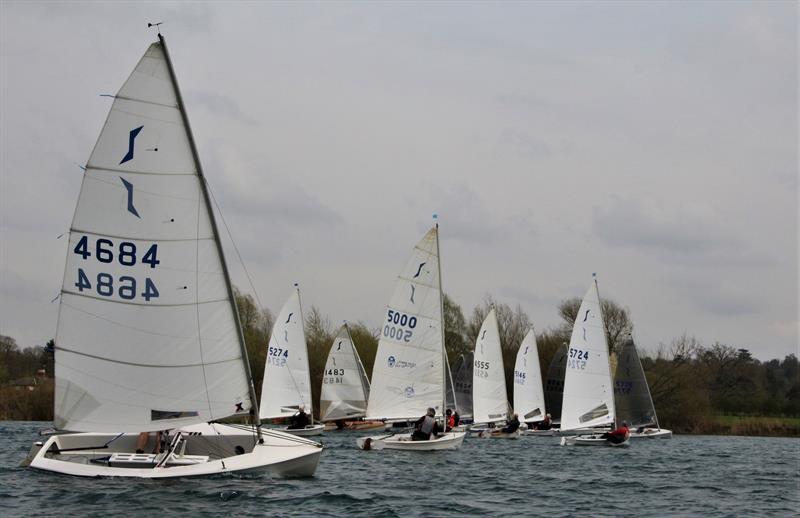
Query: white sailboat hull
[
  {"x": 309, "y": 431},
  {"x": 539, "y": 433},
  {"x": 592, "y": 440},
  {"x": 83, "y": 454},
  {"x": 498, "y": 434},
  {"x": 447, "y": 441},
  {"x": 652, "y": 433}
]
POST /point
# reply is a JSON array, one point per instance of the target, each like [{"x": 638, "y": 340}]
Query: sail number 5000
[{"x": 397, "y": 321}]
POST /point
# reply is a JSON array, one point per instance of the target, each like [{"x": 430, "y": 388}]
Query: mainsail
[
  {"x": 462, "y": 382},
  {"x": 631, "y": 391},
  {"x": 408, "y": 375},
  {"x": 528, "y": 393},
  {"x": 345, "y": 387},
  {"x": 554, "y": 383},
  {"x": 287, "y": 379},
  {"x": 489, "y": 399},
  {"x": 588, "y": 392},
  {"x": 148, "y": 336}
]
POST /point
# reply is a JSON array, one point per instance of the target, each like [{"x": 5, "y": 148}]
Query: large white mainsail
[
  {"x": 287, "y": 379},
  {"x": 489, "y": 398},
  {"x": 588, "y": 390},
  {"x": 148, "y": 337},
  {"x": 408, "y": 374},
  {"x": 345, "y": 387},
  {"x": 528, "y": 392}
]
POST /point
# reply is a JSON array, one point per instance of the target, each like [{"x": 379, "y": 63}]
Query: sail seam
[
  {"x": 80, "y": 231},
  {"x": 134, "y": 364},
  {"x": 174, "y": 106},
  {"x": 128, "y": 171},
  {"x": 143, "y": 304}
]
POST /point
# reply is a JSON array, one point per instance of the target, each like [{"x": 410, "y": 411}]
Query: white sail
[
  {"x": 147, "y": 335},
  {"x": 287, "y": 382},
  {"x": 588, "y": 388},
  {"x": 345, "y": 387},
  {"x": 489, "y": 399},
  {"x": 408, "y": 375},
  {"x": 528, "y": 391}
]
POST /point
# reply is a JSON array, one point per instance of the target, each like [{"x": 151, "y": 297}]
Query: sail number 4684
[{"x": 124, "y": 286}]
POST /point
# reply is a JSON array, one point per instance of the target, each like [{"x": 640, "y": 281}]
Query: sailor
[
  {"x": 425, "y": 427},
  {"x": 512, "y": 425},
  {"x": 300, "y": 420},
  {"x": 450, "y": 419},
  {"x": 144, "y": 438},
  {"x": 545, "y": 424},
  {"x": 618, "y": 435}
]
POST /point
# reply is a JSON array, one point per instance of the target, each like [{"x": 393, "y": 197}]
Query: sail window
[{"x": 160, "y": 415}]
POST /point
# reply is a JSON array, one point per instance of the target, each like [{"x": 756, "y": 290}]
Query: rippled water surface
[{"x": 687, "y": 475}]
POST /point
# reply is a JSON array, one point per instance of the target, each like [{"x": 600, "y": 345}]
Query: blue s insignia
[
  {"x": 131, "y": 139},
  {"x": 419, "y": 270},
  {"x": 129, "y": 187}
]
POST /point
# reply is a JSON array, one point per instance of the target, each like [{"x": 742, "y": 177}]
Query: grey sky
[{"x": 653, "y": 143}]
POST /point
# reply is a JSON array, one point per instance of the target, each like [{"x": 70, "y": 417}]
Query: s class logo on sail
[
  {"x": 131, "y": 140},
  {"x": 129, "y": 187}
]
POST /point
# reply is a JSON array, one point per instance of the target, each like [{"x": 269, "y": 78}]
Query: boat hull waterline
[
  {"x": 447, "y": 441},
  {"x": 592, "y": 440},
  {"x": 82, "y": 454}
]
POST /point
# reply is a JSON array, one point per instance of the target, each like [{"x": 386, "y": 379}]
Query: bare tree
[{"x": 616, "y": 320}]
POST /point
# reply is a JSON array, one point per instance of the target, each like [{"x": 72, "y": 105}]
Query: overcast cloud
[{"x": 653, "y": 143}]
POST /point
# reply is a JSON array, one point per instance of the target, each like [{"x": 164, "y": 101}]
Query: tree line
[{"x": 690, "y": 383}]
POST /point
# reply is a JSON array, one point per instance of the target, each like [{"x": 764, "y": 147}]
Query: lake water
[{"x": 687, "y": 475}]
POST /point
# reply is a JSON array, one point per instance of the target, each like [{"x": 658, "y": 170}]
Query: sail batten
[{"x": 144, "y": 256}]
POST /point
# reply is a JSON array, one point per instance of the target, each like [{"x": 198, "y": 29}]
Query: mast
[
  {"x": 303, "y": 330},
  {"x": 207, "y": 198},
  {"x": 441, "y": 316},
  {"x": 605, "y": 341}
]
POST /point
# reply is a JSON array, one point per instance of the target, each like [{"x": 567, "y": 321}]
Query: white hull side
[
  {"x": 591, "y": 440},
  {"x": 448, "y": 441},
  {"x": 652, "y": 433},
  {"x": 497, "y": 434},
  {"x": 309, "y": 431},
  {"x": 280, "y": 455},
  {"x": 539, "y": 433}
]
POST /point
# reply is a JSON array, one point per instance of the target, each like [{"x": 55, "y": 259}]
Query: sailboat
[
  {"x": 489, "y": 399},
  {"x": 148, "y": 335},
  {"x": 528, "y": 391},
  {"x": 554, "y": 383},
  {"x": 286, "y": 387},
  {"x": 409, "y": 375},
  {"x": 588, "y": 389},
  {"x": 345, "y": 387},
  {"x": 633, "y": 399}
]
